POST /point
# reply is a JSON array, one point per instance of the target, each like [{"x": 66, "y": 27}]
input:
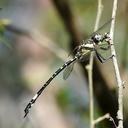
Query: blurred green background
[{"x": 34, "y": 42}]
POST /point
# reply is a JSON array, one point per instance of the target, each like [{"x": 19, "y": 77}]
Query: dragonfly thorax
[{"x": 83, "y": 50}]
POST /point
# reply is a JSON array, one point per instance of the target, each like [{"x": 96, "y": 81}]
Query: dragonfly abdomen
[{"x": 33, "y": 100}]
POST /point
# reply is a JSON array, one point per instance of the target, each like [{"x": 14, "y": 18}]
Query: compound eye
[{"x": 98, "y": 37}]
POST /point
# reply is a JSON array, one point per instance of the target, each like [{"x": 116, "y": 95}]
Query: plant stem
[
  {"x": 116, "y": 68},
  {"x": 90, "y": 67}
]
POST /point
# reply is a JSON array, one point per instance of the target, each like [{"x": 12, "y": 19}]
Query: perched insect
[{"x": 96, "y": 41}]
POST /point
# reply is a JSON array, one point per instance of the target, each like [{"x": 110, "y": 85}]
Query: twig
[
  {"x": 116, "y": 68},
  {"x": 99, "y": 13},
  {"x": 98, "y": 120},
  {"x": 90, "y": 67},
  {"x": 111, "y": 119},
  {"x": 106, "y": 116}
]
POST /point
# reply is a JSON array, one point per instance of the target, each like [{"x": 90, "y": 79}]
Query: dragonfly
[{"x": 94, "y": 42}]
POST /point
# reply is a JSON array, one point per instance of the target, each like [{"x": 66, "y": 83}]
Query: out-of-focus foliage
[{"x": 3, "y": 24}]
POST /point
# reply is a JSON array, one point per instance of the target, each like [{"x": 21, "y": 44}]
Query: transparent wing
[
  {"x": 68, "y": 71},
  {"x": 104, "y": 45},
  {"x": 104, "y": 49},
  {"x": 103, "y": 26},
  {"x": 98, "y": 30}
]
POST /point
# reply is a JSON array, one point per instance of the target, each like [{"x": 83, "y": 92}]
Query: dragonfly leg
[{"x": 101, "y": 58}]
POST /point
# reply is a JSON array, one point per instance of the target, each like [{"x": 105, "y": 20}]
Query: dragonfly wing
[
  {"x": 104, "y": 49},
  {"x": 104, "y": 45},
  {"x": 68, "y": 71},
  {"x": 98, "y": 30}
]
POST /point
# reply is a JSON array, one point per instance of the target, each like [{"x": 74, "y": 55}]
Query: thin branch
[
  {"x": 106, "y": 116},
  {"x": 111, "y": 119},
  {"x": 99, "y": 13},
  {"x": 90, "y": 67},
  {"x": 116, "y": 68},
  {"x": 98, "y": 120}
]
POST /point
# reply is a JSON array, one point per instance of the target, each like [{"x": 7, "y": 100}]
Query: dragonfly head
[{"x": 97, "y": 38}]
